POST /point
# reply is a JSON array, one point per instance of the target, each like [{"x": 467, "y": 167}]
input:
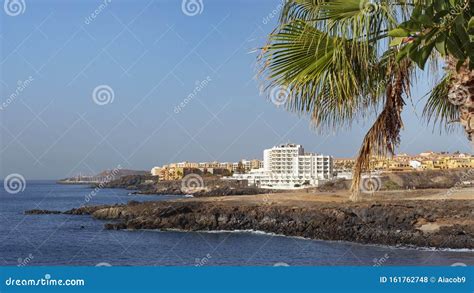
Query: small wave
[
  {"x": 263, "y": 233},
  {"x": 244, "y": 231}
]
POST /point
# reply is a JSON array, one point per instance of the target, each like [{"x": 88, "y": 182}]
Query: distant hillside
[
  {"x": 107, "y": 175},
  {"x": 117, "y": 173}
]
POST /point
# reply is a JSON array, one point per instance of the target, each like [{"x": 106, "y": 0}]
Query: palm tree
[{"x": 340, "y": 61}]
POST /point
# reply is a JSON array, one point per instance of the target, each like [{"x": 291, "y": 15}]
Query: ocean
[{"x": 35, "y": 240}]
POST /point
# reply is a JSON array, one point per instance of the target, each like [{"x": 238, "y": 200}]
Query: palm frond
[
  {"x": 438, "y": 110},
  {"x": 307, "y": 10},
  {"x": 325, "y": 76},
  {"x": 340, "y": 59},
  {"x": 384, "y": 135}
]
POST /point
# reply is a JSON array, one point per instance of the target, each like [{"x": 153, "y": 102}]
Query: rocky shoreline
[{"x": 421, "y": 223}]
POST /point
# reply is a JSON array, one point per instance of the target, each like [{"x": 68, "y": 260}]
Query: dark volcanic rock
[
  {"x": 384, "y": 223},
  {"x": 41, "y": 212},
  {"x": 388, "y": 223},
  {"x": 85, "y": 210}
]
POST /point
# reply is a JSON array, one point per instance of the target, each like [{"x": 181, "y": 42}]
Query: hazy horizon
[{"x": 177, "y": 87}]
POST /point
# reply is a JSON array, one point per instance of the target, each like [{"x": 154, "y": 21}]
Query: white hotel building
[{"x": 289, "y": 167}]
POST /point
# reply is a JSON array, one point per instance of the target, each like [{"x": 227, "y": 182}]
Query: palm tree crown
[{"x": 342, "y": 60}]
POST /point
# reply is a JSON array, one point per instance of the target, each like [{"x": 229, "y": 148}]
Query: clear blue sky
[{"x": 152, "y": 55}]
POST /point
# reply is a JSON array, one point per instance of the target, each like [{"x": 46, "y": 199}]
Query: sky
[{"x": 98, "y": 84}]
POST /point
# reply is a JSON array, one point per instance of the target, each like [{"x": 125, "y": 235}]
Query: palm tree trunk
[{"x": 461, "y": 93}]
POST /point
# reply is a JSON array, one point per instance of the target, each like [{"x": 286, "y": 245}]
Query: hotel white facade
[{"x": 289, "y": 167}]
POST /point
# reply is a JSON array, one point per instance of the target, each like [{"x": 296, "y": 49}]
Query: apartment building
[
  {"x": 403, "y": 162},
  {"x": 287, "y": 166}
]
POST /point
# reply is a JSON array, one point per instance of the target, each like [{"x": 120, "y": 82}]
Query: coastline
[
  {"x": 258, "y": 232},
  {"x": 415, "y": 222}
]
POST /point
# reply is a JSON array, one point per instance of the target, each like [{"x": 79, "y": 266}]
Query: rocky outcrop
[
  {"x": 389, "y": 223},
  {"x": 87, "y": 210},
  {"x": 211, "y": 186},
  {"x": 41, "y": 212}
]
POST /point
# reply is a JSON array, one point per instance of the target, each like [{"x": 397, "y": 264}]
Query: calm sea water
[{"x": 81, "y": 240}]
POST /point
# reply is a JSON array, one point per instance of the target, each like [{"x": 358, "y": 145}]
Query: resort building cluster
[
  {"x": 405, "y": 162},
  {"x": 176, "y": 171},
  {"x": 288, "y": 166},
  {"x": 285, "y": 166}
]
